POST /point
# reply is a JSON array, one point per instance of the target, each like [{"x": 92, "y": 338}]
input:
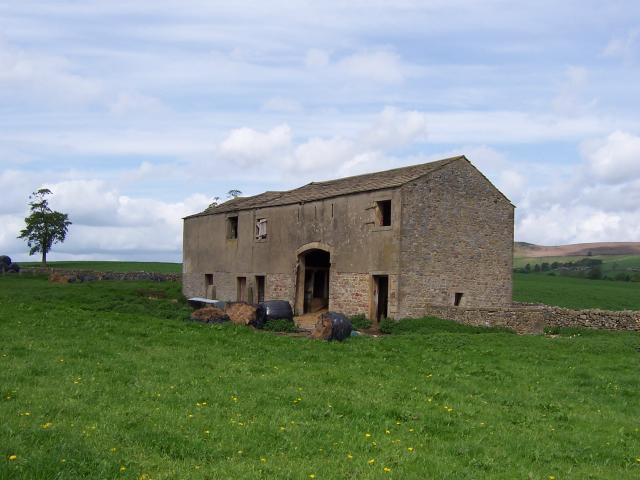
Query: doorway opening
[
  {"x": 315, "y": 265},
  {"x": 260, "y": 287},
  {"x": 242, "y": 289},
  {"x": 380, "y": 297}
]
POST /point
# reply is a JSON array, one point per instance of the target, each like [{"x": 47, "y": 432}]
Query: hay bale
[
  {"x": 332, "y": 326},
  {"x": 241, "y": 313},
  {"x": 209, "y": 315}
]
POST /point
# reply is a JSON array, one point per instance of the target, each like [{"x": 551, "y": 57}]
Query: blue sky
[{"x": 138, "y": 113}]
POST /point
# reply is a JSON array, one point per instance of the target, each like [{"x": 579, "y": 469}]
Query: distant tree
[
  {"x": 214, "y": 203},
  {"x": 595, "y": 273},
  {"x": 536, "y": 268},
  {"x": 44, "y": 227},
  {"x": 555, "y": 265},
  {"x": 545, "y": 266},
  {"x": 234, "y": 193},
  {"x": 527, "y": 268}
]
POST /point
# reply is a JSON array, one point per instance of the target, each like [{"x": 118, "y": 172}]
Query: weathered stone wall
[
  {"x": 279, "y": 286},
  {"x": 533, "y": 318},
  {"x": 588, "y": 318},
  {"x": 93, "y": 275},
  {"x": 519, "y": 319},
  {"x": 457, "y": 236},
  {"x": 349, "y": 293}
]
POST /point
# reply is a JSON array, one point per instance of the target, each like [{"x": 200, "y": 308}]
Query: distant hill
[{"x": 523, "y": 249}]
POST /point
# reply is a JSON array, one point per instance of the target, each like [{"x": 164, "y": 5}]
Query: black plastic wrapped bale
[
  {"x": 261, "y": 317},
  {"x": 5, "y": 263},
  {"x": 277, "y": 309},
  {"x": 13, "y": 267},
  {"x": 332, "y": 326}
]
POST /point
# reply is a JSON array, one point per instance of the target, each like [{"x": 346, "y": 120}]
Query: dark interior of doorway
[
  {"x": 382, "y": 300},
  {"x": 316, "y": 281}
]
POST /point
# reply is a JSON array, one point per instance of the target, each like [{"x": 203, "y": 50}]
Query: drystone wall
[
  {"x": 588, "y": 318},
  {"x": 533, "y": 318},
  {"x": 87, "y": 275}
]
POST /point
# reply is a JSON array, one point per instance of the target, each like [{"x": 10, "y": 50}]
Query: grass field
[
  {"x": 158, "y": 267},
  {"x": 575, "y": 292},
  {"x": 107, "y": 380},
  {"x": 610, "y": 263}
]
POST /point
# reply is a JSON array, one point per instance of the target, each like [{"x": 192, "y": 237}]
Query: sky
[{"x": 137, "y": 113}]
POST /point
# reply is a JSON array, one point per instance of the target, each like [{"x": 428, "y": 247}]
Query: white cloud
[
  {"x": 625, "y": 47},
  {"x": 380, "y": 66},
  {"x": 283, "y": 105},
  {"x": 131, "y": 103},
  {"x": 43, "y": 77},
  {"x": 569, "y": 100},
  {"x": 246, "y": 145},
  {"x": 396, "y": 128},
  {"x": 316, "y": 58},
  {"x": 614, "y": 159}
]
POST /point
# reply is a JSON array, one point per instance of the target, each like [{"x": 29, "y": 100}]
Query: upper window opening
[
  {"x": 232, "y": 227},
  {"x": 261, "y": 228},
  {"x": 383, "y": 213}
]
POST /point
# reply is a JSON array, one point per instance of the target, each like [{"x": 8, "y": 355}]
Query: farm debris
[
  {"x": 332, "y": 326},
  {"x": 242, "y": 313},
  {"x": 210, "y": 315}
]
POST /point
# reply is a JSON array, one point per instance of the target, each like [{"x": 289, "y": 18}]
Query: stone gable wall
[{"x": 456, "y": 236}]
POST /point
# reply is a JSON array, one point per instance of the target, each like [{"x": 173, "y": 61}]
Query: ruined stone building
[{"x": 386, "y": 244}]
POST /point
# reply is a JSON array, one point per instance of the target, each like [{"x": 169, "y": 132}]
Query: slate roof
[{"x": 331, "y": 188}]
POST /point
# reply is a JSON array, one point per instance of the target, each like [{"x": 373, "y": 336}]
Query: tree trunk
[{"x": 44, "y": 258}]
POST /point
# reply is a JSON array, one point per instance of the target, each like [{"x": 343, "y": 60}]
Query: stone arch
[{"x": 313, "y": 265}]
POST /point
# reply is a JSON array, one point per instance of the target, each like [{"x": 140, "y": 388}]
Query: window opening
[
  {"x": 383, "y": 213},
  {"x": 261, "y": 228},
  {"x": 457, "y": 299},
  {"x": 232, "y": 227}
]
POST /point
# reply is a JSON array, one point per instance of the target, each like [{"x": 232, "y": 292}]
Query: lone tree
[{"x": 44, "y": 227}]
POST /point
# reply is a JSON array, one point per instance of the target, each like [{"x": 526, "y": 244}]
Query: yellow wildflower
[
  {"x": 263, "y": 460},
  {"x": 13, "y": 457},
  {"x": 311, "y": 475},
  {"x": 371, "y": 461},
  {"x": 386, "y": 469},
  {"x": 349, "y": 456},
  {"x": 122, "y": 468},
  {"x": 47, "y": 425},
  {"x": 410, "y": 449},
  {"x": 367, "y": 435}
]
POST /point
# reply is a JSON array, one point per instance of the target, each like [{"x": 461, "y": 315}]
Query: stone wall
[
  {"x": 93, "y": 275},
  {"x": 588, "y": 318},
  {"x": 521, "y": 320},
  {"x": 533, "y": 318},
  {"x": 349, "y": 293},
  {"x": 456, "y": 237}
]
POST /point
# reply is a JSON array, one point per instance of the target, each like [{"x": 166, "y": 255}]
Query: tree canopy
[{"x": 44, "y": 227}]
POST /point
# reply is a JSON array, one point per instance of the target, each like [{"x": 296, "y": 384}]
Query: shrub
[
  {"x": 360, "y": 322},
  {"x": 387, "y": 325},
  {"x": 280, "y": 325}
]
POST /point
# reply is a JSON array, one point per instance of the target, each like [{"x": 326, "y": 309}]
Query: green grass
[
  {"x": 110, "y": 378},
  {"x": 610, "y": 263},
  {"x": 575, "y": 292},
  {"x": 105, "y": 266}
]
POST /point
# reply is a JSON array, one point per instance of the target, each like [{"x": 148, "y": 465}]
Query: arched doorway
[{"x": 314, "y": 266}]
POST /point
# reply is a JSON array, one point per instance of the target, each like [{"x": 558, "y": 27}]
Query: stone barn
[{"x": 386, "y": 244}]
